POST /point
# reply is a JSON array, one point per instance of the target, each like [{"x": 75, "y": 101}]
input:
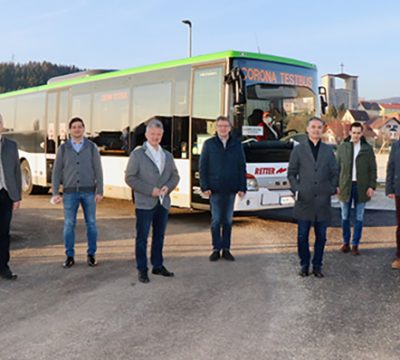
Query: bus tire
[
  {"x": 26, "y": 176},
  {"x": 27, "y": 183}
]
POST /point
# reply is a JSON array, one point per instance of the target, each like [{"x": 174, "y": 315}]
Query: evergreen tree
[{"x": 21, "y": 76}]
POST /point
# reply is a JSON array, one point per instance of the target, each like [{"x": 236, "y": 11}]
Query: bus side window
[
  {"x": 109, "y": 140},
  {"x": 137, "y": 137},
  {"x": 166, "y": 141},
  {"x": 174, "y": 140}
]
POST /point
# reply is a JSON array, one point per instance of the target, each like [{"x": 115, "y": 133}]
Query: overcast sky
[{"x": 118, "y": 34}]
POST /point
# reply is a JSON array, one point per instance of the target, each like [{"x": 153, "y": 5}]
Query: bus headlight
[{"x": 252, "y": 184}]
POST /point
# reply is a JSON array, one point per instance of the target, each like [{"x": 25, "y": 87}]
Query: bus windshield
[
  {"x": 289, "y": 107},
  {"x": 284, "y": 94}
]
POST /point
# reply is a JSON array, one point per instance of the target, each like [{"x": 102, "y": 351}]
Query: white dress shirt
[
  {"x": 2, "y": 178},
  {"x": 157, "y": 155},
  {"x": 356, "y": 150}
]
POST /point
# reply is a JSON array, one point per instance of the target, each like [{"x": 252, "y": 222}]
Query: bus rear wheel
[{"x": 27, "y": 183}]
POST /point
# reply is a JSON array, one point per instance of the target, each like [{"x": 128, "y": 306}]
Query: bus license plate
[{"x": 286, "y": 200}]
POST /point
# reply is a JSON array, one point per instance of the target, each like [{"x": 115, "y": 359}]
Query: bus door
[
  {"x": 57, "y": 126},
  {"x": 208, "y": 98}
]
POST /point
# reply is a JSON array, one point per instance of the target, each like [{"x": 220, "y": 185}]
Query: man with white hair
[
  {"x": 152, "y": 174},
  {"x": 10, "y": 197}
]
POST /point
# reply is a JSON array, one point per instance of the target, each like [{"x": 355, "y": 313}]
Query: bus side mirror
[
  {"x": 322, "y": 99},
  {"x": 235, "y": 78}
]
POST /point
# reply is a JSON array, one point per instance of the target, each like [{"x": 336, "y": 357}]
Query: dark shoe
[
  {"x": 69, "y": 262},
  {"x": 91, "y": 260},
  {"x": 303, "y": 272},
  {"x": 162, "y": 271},
  {"x": 215, "y": 255},
  {"x": 354, "y": 250},
  {"x": 345, "y": 248},
  {"x": 143, "y": 277},
  {"x": 317, "y": 273},
  {"x": 226, "y": 254},
  {"x": 7, "y": 274}
]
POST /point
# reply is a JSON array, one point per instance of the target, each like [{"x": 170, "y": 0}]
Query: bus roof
[{"x": 163, "y": 65}]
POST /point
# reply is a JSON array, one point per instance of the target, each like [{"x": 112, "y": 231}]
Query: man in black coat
[
  {"x": 222, "y": 176},
  {"x": 313, "y": 177},
  {"x": 10, "y": 197},
  {"x": 393, "y": 192}
]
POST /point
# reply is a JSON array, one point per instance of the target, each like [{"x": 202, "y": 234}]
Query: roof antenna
[{"x": 258, "y": 45}]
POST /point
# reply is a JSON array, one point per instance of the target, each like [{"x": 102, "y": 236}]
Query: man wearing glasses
[{"x": 222, "y": 176}]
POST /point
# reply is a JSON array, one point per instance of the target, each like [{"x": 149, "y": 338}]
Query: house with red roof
[{"x": 389, "y": 108}]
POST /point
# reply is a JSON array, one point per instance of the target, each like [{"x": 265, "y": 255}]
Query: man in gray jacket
[
  {"x": 152, "y": 174},
  {"x": 78, "y": 166},
  {"x": 10, "y": 197},
  {"x": 313, "y": 176}
]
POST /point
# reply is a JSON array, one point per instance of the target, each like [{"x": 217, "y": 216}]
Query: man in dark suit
[
  {"x": 313, "y": 176},
  {"x": 10, "y": 197},
  {"x": 393, "y": 192}
]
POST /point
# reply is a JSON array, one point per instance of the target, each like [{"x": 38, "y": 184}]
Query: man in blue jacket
[{"x": 222, "y": 176}]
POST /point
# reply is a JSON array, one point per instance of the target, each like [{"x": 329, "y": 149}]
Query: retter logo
[{"x": 269, "y": 171}]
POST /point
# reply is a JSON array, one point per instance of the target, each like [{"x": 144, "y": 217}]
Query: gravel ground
[{"x": 254, "y": 308}]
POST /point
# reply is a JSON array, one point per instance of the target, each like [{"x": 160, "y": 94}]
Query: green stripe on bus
[{"x": 164, "y": 65}]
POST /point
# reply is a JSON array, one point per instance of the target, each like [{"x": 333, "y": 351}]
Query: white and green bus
[{"x": 187, "y": 96}]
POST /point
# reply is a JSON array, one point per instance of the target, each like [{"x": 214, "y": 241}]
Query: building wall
[
  {"x": 352, "y": 87},
  {"x": 385, "y": 111},
  {"x": 347, "y": 117},
  {"x": 371, "y": 113},
  {"x": 347, "y": 96},
  {"x": 343, "y": 96}
]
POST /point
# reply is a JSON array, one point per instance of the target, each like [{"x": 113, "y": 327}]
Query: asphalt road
[{"x": 254, "y": 308}]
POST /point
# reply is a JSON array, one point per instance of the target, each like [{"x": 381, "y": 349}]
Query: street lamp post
[{"x": 189, "y": 23}]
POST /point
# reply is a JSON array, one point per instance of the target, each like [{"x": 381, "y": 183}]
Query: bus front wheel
[
  {"x": 26, "y": 175},
  {"x": 27, "y": 182}
]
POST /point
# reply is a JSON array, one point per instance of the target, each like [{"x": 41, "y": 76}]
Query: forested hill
[{"x": 20, "y": 76}]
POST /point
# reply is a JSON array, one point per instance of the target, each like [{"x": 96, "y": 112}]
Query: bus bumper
[{"x": 263, "y": 199}]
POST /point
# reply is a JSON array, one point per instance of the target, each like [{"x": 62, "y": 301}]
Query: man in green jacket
[{"x": 357, "y": 183}]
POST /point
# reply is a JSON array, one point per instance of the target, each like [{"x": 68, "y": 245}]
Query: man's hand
[
  {"x": 241, "y": 193},
  {"x": 56, "y": 199},
  {"x": 370, "y": 192},
  {"x": 207, "y": 193},
  {"x": 391, "y": 196},
  {"x": 164, "y": 190},
  {"x": 156, "y": 192},
  {"x": 98, "y": 198},
  {"x": 16, "y": 205}
]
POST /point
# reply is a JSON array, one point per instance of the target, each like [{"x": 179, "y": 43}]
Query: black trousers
[{"x": 6, "y": 206}]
